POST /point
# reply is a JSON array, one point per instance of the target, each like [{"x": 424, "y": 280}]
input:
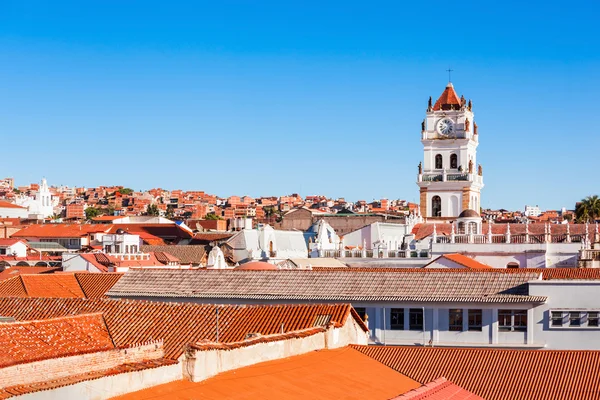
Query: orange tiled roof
[
  {"x": 326, "y": 374},
  {"x": 178, "y": 324},
  {"x": 17, "y": 270},
  {"x": 6, "y": 204},
  {"x": 448, "y": 99},
  {"x": 463, "y": 260},
  {"x": 95, "y": 285},
  {"x": 9, "y": 241},
  {"x": 59, "y": 230},
  {"x": 440, "y": 389},
  {"x": 77, "y": 285},
  {"x": 25, "y": 342},
  {"x": 498, "y": 374}
]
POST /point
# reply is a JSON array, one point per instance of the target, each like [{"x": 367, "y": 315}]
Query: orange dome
[{"x": 257, "y": 266}]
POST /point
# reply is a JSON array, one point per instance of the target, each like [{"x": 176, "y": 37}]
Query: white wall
[
  {"x": 566, "y": 295},
  {"x": 6, "y": 212}
]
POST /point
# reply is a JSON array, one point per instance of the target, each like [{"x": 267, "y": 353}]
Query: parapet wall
[
  {"x": 205, "y": 360},
  {"x": 56, "y": 368}
]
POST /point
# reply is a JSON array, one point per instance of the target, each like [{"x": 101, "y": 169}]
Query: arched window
[
  {"x": 436, "y": 206},
  {"x": 438, "y": 161},
  {"x": 512, "y": 265},
  {"x": 453, "y": 161}
]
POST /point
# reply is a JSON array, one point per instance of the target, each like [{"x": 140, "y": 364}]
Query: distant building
[{"x": 532, "y": 211}]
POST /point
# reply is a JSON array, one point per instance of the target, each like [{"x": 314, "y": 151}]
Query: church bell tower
[{"x": 449, "y": 179}]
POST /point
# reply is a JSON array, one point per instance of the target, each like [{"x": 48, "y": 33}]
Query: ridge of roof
[{"x": 439, "y": 389}]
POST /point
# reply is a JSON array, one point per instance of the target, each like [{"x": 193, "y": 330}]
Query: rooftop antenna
[{"x": 449, "y": 70}]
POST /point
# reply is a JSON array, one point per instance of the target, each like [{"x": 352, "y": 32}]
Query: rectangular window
[
  {"x": 415, "y": 319},
  {"x": 397, "y": 319},
  {"x": 557, "y": 318},
  {"x": 475, "y": 317},
  {"x": 520, "y": 320},
  {"x": 593, "y": 318},
  {"x": 512, "y": 320},
  {"x": 455, "y": 319},
  {"x": 504, "y": 320},
  {"x": 574, "y": 318}
]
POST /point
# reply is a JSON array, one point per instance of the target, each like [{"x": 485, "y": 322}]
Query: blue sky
[{"x": 270, "y": 98}]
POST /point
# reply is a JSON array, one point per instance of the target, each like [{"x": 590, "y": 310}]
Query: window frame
[
  {"x": 455, "y": 319},
  {"x": 414, "y": 326},
  {"x": 439, "y": 165},
  {"x": 399, "y": 325},
  {"x": 574, "y": 319},
  {"x": 475, "y": 327},
  {"x": 516, "y": 320}
]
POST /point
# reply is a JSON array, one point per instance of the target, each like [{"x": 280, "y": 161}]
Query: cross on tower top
[{"x": 449, "y": 74}]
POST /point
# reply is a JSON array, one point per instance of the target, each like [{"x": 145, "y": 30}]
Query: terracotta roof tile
[
  {"x": 448, "y": 99},
  {"x": 187, "y": 254},
  {"x": 463, "y": 260},
  {"x": 6, "y": 204},
  {"x": 327, "y": 374},
  {"x": 178, "y": 324},
  {"x": 17, "y": 270},
  {"x": 67, "y": 285},
  {"x": 95, "y": 285},
  {"x": 440, "y": 389},
  {"x": 498, "y": 374},
  {"x": 53, "y": 285},
  {"x": 25, "y": 342},
  {"x": 338, "y": 285}
]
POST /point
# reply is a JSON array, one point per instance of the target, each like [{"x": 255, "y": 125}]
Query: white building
[
  {"x": 13, "y": 247},
  {"x": 10, "y": 210},
  {"x": 535, "y": 309},
  {"x": 42, "y": 205},
  {"x": 532, "y": 211},
  {"x": 449, "y": 179},
  {"x": 266, "y": 244}
]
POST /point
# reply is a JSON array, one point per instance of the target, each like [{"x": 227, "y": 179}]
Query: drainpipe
[
  {"x": 423, "y": 308},
  {"x": 384, "y": 327}
]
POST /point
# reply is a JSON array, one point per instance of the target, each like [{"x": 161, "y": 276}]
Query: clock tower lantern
[{"x": 449, "y": 179}]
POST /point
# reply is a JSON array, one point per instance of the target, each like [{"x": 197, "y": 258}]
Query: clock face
[{"x": 445, "y": 127}]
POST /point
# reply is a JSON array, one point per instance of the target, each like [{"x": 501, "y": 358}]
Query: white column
[
  {"x": 530, "y": 326},
  {"x": 435, "y": 329},
  {"x": 494, "y": 326}
]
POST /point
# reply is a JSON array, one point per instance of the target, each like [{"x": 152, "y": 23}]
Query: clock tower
[{"x": 449, "y": 179}]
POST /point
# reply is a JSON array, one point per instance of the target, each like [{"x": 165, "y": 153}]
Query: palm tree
[{"x": 588, "y": 209}]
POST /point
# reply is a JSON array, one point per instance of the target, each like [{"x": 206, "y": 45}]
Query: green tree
[
  {"x": 126, "y": 191},
  {"x": 92, "y": 212},
  {"x": 212, "y": 216},
  {"x": 152, "y": 210},
  {"x": 170, "y": 214},
  {"x": 588, "y": 209}
]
